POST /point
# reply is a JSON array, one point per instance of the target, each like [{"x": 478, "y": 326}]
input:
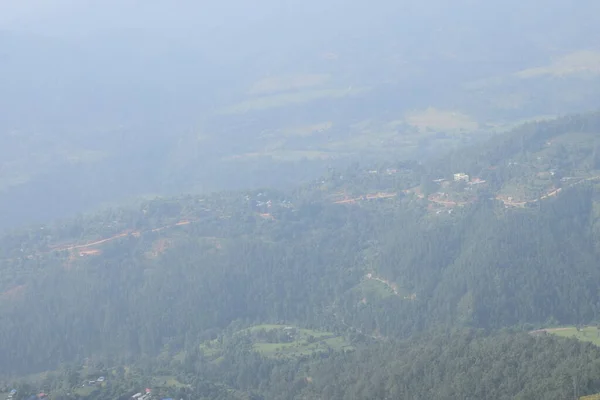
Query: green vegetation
[
  {"x": 586, "y": 334},
  {"x": 388, "y": 202},
  {"x": 591, "y": 397},
  {"x": 278, "y": 341},
  {"x": 385, "y": 278},
  {"x": 372, "y": 289},
  {"x": 289, "y": 341},
  {"x": 282, "y": 100},
  {"x": 169, "y": 381},
  {"x": 85, "y": 391}
]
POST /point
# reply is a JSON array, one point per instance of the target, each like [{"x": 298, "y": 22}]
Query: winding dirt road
[{"x": 118, "y": 236}]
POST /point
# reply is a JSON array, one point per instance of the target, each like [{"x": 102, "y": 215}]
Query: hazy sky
[
  {"x": 68, "y": 17},
  {"x": 25, "y": 14},
  {"x": 62, "y": 16},
  {"x": 91, "y": 65}
]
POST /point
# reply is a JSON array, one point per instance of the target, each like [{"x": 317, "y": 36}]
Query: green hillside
[
  {"x": 371, "y": 273},
  {"x": 583, "y": 333}
]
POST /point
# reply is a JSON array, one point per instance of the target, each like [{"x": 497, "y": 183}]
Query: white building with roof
[{"x": 461, "y": 177}]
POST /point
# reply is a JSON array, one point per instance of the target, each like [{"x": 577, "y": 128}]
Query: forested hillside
[{"x": 381, "y": 280}]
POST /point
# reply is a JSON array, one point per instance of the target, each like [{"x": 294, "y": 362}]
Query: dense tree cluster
[{"x": 194, "y": 269}]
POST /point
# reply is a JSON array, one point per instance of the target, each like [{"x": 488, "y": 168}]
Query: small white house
[{"x": 461, "y": 177}]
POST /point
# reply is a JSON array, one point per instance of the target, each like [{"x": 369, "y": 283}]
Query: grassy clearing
[
  {"x": 282, "y": 341},
  {"x": 372, "y": 290},
  {"x": 581, "y": 62},
  {"x": 301, "y": 331},
  {"x": 288, "y": 99},
  {"x": 307, "y": 130},
  {"x": 180, "y": 356},
  {"x": 525, "y": 189},
  {"x": 302, "y": 342},
  {"x": 441, "y": 120},
  {"x": 371, "y": 140},
  {"x": 211, "y": 348},
  {"x": 84, "y": 391},
  {"x": 301, "y": 348},
  {"x": 284, "y": 155},
  {"x": 167, "y": 381},
  {"x": 588, "y": 334},
  {"x": 288, "y": 82},
  {"x": 404, "y": 136},
  {"x": 591, "y": 397}
]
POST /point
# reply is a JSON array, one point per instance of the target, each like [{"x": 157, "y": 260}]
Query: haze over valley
[{"x": 299, "y": 200}]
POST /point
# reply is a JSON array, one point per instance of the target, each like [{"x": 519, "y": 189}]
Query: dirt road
[{"x": 118, "y": 236}]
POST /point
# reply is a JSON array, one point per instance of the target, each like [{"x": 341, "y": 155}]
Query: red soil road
[
  {"x": 90, "y": 244},
  {"x": 447, "y": 203},
  {"x": 120, "y": 235},
  {"x": 346, "y": 201},
  {"x": 557, "y": 329},
  {"x": 90, "y": 252},
  {"x": 552, "y": 193},
  {"x": 523, "y": 203},
  {"x": 380, "y": 195},
  {"x": 416, "y": 190}
]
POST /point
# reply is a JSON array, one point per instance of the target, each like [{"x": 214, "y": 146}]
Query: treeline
[{"x": 451, "y": 364}]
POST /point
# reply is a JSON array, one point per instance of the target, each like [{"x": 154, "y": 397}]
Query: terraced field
[
  {"x": 283, "y": 341},
  {"x": 585, "y": 334}
]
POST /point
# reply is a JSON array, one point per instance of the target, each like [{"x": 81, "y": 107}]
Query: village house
[{"x": 461, "y": 177}]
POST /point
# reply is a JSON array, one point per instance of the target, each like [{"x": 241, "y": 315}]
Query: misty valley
[{"x": 299, "y": 200}]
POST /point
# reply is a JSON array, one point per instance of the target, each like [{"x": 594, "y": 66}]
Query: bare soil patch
[{"x": 14, "y": 293}]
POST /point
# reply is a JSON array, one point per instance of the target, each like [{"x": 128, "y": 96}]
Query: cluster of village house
[
  {"x": 147, "y": 395},
  {"x": 40, "y": 396},
  {"x": 459, "y": 177},
  {"x": 462, "y": 177},
  {"x": 43, "y": 396},
  {"x": 388, "y": 171},
  {"x": 99, "y": 380},
  {"x": 262, "y": 201}
]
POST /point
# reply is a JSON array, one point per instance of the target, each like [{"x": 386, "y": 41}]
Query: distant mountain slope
[{"x": 264, "y": 94}]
